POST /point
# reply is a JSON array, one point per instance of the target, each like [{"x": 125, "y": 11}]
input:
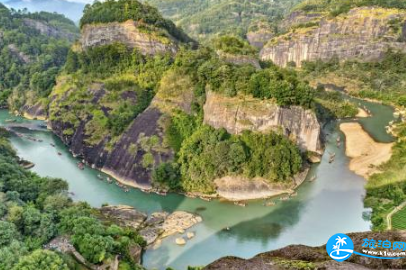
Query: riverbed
[{"x": 331, "y": 204}]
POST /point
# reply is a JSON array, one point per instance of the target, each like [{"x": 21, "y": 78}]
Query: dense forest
[
  {"x": 123, "y": 10},
  {"x": 30, "y": 61},
  {"x": 34, "y": 210},
  {"x": 205, "y": 19}
]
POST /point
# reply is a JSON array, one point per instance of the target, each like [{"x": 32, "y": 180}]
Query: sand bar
[{"x": 364, "y": 152}]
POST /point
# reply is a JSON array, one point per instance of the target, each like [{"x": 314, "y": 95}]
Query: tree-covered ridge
[
  {"x": 123, "y": 10},
  {"x": 203, "y": 19},
  {"x": 34, "y": 210},
  {"x": 29, "y": 60},
  {"x": 336, "y": 7},
  {"x": 234, "y": 45}
]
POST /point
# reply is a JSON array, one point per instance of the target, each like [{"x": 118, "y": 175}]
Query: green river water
[{"x": 331, "y": 204}]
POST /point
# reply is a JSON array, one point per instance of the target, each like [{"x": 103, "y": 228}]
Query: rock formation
[
  {"x": 48, "y": 30},
  {"x": 364, "y": 33},
  {"x": 238, "y": 114},
  {"x": 130, "y": 33},
  {"x": 157, "y": 226}
]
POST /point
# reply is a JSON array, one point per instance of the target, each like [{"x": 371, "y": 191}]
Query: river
[{"x": 331, "y": 204}]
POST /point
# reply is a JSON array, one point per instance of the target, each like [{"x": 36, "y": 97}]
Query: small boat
[
  {"x": 286, "y": 198},
  {"x": 59, "y": 154},
  {"x": 338, "y": 139},
  {"x": 332, "y": 157},
  {"x": 206, "y": 199},
  {"x": 100, "y": 177},
  {"x": 314, "y": 177},
  {"x": 53, "y": 145},
  {"x": 109, "y": 180},
  {"x": 81, "y": 165},
  {"x": 240, "y": 204},
  {"x": 40, "y": 140},
  {"x": 294, "y": 194},
  {"x": 10, "y": 120},
  {"x": 272, "y": 203},
  {"x": 126, "y": 190}
]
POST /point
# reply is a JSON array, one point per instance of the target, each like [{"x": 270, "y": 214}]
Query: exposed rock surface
[
  {"x": 48, "y": 30},
  {"x": 128, "y": 33},
  {"x": 364, "y": 33},
  {"x": 36, "y": 111},
  {"x": 123, "y": 160},
  {"x": 154, "y": 228},
  {"x": 126, "y": 216},
  {"x": 238, "y": 114},
  {"x": 240, "y": 59},
  {"x": 20, "y": 55},
  {"x": 292, "y": 257}
]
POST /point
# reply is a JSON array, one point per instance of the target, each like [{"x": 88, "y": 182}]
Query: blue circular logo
[{"x": 340, "y": 247}]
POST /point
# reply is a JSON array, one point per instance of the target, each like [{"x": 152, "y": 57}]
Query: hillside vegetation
[
  {"x": 34, "y": 210},
  {"x": 337, "y": 7},
  {"x": 123, "y": 10},
  {"x": 29, "y": 60},
  {"x": 205, "y": 19}
]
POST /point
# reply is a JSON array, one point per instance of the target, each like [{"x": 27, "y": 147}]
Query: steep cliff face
[
  {"x": 130, "y": 33},
  {"x": 123, "y": 157},
  {"x": 239, "y": 114},
  {"x": 364, "y": 33},
  {"x": 48, "y": 30}
]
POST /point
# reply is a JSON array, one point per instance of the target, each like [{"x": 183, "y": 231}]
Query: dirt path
[{"x": 364, "y": 152}]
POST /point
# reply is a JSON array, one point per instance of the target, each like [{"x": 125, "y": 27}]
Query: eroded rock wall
[
  {"x": 128, "y": 33},
  {"x": 238, "y": 114},
  {"x": 364, "y": 33}
]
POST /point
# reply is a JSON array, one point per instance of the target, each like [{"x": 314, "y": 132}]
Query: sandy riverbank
[
  {"x": 362, "y": 113},
  {"x": 364, "y": 152}
]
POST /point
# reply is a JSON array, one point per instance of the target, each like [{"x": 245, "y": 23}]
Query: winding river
[{"x": 331, "y": 204}]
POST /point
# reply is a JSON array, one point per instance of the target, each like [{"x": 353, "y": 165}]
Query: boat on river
[
  {"x": 240, "y": 204},
  {"x": 314, "y": 177},
  {"x": 10, "y": 120},
  {"x": 268, "y": 204},
  {"x": 332, "y": 157},
  {"x": 100, "y": 177},
  {"x": 286, "y": 198}
]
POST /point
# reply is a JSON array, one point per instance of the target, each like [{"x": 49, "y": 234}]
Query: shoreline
[
  {"x": 364, "y": 152},
  {"x": 230, "y": 196}
]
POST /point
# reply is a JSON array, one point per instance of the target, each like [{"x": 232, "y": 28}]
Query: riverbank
[{"x": 365, "y": 153}]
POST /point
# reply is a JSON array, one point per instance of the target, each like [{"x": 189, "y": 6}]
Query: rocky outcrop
[
  {"x": 20, "y": 55},
  {"x": 123, "y": 158},
  {"x": 304, "y": 257},
  {"x": 240, "y": 59},
  {"x": 35, "y": 112},
  {"x": 48, "y": 30},
  {"x": 259, "y": 34},
  {"x": 244, "y": 113},
  {"x": 364, "y": 33},
  {"x": 130, "y": 33},
  {"x": 157, "y": 226}
]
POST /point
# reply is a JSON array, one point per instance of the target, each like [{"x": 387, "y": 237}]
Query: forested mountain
[
  {"x": 33, "y": 48},
  {"x": 204, "y": 19},
  {"x": 133, "y": 101},
  {"x": 71, "y": 9}
]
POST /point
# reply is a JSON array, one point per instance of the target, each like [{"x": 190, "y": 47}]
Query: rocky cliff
[
  {"x": 364, "y": 33},
  {"x": 244, "y": 113},
  {"x": 122, "y": 157},
  {"x": 49, "y": 30},
  {"x": 130, "y": 33}
]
